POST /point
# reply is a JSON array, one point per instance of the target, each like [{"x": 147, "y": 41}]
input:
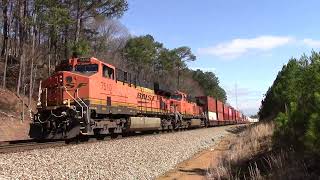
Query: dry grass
[
  {"x": 251, "y": 156},
  {"x": 243, "y": 147},
  {"x": 251, "y": 142}
]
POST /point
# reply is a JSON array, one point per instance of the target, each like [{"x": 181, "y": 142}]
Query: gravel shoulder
[{"x": 142, "y": 157}]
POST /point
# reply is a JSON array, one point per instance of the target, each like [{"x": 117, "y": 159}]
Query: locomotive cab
[
  {"x": 70, "y": 82},
  {"x": 176, "y": 101},
  {"x": 185, "y": 104}
]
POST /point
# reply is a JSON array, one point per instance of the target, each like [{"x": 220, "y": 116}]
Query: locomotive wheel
[
  {"x": 125, "y": 134},
  {"x": 84, "y": 138},
  {"x": 74, "y": 140},
  {"x": 100, "y": 137},
  {"x": 114, "y": 135}
]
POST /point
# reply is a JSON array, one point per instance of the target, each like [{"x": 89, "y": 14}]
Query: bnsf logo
[{"x": 145, "y": 96}]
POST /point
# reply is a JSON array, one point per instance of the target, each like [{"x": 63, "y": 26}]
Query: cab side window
[
  {"x": 125, "y": 76},
  {"x": 107, "y": 72}
]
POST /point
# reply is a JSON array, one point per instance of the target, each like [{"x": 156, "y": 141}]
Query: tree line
[
  {"x": 152, "y": 60},
  {"x": 38, "y": 34},
  {"x": 293, "y": 101}
]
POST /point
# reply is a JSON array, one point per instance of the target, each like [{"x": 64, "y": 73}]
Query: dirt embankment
[
  {"x": 11, "y": 125},
  {"x": 197, "y": 167}
]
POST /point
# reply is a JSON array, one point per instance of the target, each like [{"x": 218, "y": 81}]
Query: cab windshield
[
  {"x": 176, "y": 97},
  {"x": 87, "y": 68}
]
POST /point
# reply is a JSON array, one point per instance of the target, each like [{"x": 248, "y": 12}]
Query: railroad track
[{"x": 25, "y": 145}]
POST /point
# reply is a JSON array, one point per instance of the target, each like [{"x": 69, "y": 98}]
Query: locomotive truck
[{"x": 88, "y": 97}]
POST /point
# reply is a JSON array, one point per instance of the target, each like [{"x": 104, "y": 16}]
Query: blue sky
[{"x": 244, "y": 42}]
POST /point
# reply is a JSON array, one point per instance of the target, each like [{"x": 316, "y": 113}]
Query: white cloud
[
  {"x": 239, "y": 47},
  {"x": 312, "y": 43}
]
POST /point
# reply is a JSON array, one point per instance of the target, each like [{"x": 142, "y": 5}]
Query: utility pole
[{"x": 236, "y": 91}]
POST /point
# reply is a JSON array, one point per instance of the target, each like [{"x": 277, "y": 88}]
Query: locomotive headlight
[
  {"x": 61, "y": 79},
  {"x": 65, "y": 101}
]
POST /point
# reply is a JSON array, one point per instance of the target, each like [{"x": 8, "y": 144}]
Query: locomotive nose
[
  {"x": 70, "y": 81},
  {"x": 51, "y": 93}
]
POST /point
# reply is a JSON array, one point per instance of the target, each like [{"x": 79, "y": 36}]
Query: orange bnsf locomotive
[{"x": 88, "y": 97}]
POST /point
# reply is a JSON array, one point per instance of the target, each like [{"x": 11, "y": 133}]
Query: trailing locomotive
[{"x": 88, "y": 97}]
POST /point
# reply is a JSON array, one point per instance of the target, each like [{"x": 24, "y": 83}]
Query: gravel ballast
[{"x": 142, "y": 157}]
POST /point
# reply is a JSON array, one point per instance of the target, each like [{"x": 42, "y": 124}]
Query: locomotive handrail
[
  {"x": 46, "y": 96},
  {"x": 87, "y": 107},
  {"x": 39, "y": 94},
  {"x": 74, "y": 100}
]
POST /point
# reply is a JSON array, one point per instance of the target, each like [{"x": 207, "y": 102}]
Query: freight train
[{"x": 88, "y": 97}]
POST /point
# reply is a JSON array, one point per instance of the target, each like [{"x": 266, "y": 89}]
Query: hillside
[{"x": 11, "y": 125}]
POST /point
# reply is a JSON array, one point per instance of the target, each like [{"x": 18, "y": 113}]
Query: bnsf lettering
[{"x": 145, "y": 96}]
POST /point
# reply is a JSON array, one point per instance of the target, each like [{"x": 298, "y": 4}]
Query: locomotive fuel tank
[
  {"x": 144, "y": 123},
  {"x": 195, "y": 123}
]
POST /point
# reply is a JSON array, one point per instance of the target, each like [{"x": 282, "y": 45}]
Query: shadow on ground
[{"x": 195, "y": 171}]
